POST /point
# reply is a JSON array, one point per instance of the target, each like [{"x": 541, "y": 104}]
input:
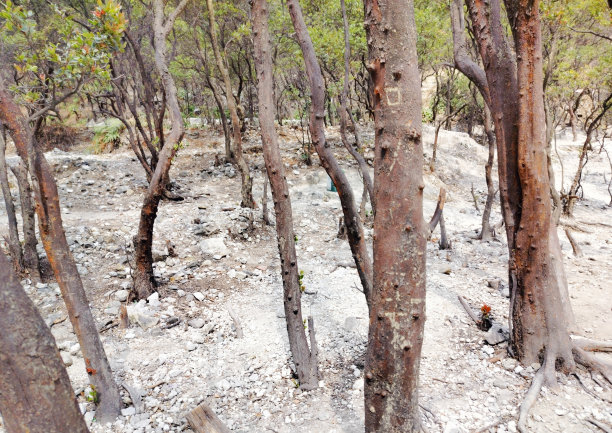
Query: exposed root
[
  {"x": 530, "y": 398},
  {"x": 589, "y": 345},
  {"x": 590, "y": 362},
  {"x": 588, "y": 391}
]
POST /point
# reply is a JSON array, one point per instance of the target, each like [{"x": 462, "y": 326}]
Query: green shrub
[{"x": 107, "y": 136}]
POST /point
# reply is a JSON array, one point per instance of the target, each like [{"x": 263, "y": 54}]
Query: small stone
[
  {"x": 180, "y": 293},
  {"x": 74, "y": 349},
  {"x": 121, "y": 295},
  {"x": 190, "y": 346},
  {"x": 512, "y": 426},
  {"x": 199, "y": 296},
  {"x": 196, "y": 323},
  {"x": 199, "y": 339},
  {"x": 128, "y": 411},
  {"x": 494, "y": 284},
  {"x": 497, "y": 334},
  {"x": 500, "y": 383},
  {"x": 358, "y": 384},
  {"x": 561, "y": 412},
  {"x": 66, "y": 358},
  {"x": 89, "y": 417},
  {"x": 508, "y": 363},
  {"x": 153, "y": 300}
]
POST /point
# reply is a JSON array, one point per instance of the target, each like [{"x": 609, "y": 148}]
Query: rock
[
  {"x": 180, "y": 293},
  {"x": 505, "y": 291},
  {"x": 509, "y": 363},
  {"x": 121, "y": 295},
  {"x": 89, "y": 417},
  {"x": 198, "y": 295},
  {"x": 196, "y": 323},
  {"x": 208, "y": 328},
  {"x": 190, "y": 346},
  {"x": 74, "y": 349},
  {"x": 494, "y": 284},
  {"x": 358, "y": 385},
  {"x": 121, "y": 189},
  {"x": 128, "y": 411},
  {"x": 452, "y": 427},
  {"x": 66, "y": 358},
  {"x": 497, "y": 334},
  {"x": 512, "y": 426},
  {"x": 500, "y": 383},
  {"x": 199, "y": 339},
  {"x": 214, "y": 247},
  {"x": 154, "y": 300},
  {"x": 138, "y": 314}
]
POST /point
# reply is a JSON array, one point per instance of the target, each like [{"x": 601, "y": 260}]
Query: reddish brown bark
[
  {"x": 243, "y": 166},
  {"x": 144, "y": 280},
  {"x": 397, "y": 310},
  {"x": 60, "y": 257},
  {"x": 35, "y": 391},
  {"x": 328, "y": 161},
  {"x": 304, "y": 358}
]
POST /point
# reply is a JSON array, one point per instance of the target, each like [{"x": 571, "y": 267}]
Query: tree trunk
[
  {"x": 304, "y": 358},
  {"x": 144, "y": 280},
  {"x": 317, "y": 128},
  {"x": 486, "y": 232},
  {"x": 13, "y": 239},
  {"x": 397, "y": 307},
  {"x": 539, "y": 331},
  {"x": 60, "y": 257},
  {"x": 247, "y": 181},
  {"x": 28, "y": 220},
  {"x": 363, "y": 166},
  {"x": 36, "y": 396}
]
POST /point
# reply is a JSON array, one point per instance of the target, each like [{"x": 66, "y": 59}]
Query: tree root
[
  {"x": 589, "y": 345},
  {"x": 546, "y": 374}
]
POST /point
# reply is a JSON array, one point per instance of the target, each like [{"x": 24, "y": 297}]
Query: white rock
[
  {"x": 121, "y": 295},
  {"x": 128, "y": 411},
  {"x": 198, "y": 295},
  {"x": 214, "y": 247},
  {"x": 66, "y": 358}
]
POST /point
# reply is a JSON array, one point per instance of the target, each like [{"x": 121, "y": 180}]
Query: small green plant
[
  {"x": 295, "y": 383},
  {"x": 107, "y": 135},
  {"x": 92, "y": 396},
  {"x": 295, "y": 238},
  {"x": 301, "y": 281}
]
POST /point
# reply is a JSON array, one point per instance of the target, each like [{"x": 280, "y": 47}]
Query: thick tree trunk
[
  {"x": 486, "y": 232},
  {"x": 28, "y": 220},
  {"x": 363, "y": 166},
  {"x": 317, "y": 128},
  {"x": 13, "y": 239},
  {"x": 60, "y": 257},
  {"x": 304, "y": 358},
  {"x": 36, "y": 395},
  {"x": 243, "y": 166},
  {"x": 397, "y": 310},
  {"x": 144, "y": 280},
  {"x": 539, "y": 332}
]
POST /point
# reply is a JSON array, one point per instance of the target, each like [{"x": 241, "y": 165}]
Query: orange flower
[{"x": 485, "y": 309}]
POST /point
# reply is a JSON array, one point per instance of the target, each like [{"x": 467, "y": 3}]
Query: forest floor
[{"x": 222, "y": 264}]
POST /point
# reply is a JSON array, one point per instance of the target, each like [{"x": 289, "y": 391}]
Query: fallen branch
[
  {"x": 475, "y": 199},
  {"x": 135, "y": 396},
  {"x": 237, "y": 325},
  {"x": 203, "y": 420},
  {"x": 468, "y": 310}
]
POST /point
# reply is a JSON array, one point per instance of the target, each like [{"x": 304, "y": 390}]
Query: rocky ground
[{"x": 224, "y": 262}]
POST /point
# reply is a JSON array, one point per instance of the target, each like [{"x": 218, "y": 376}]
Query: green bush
[{"x": 107, "y": 136}]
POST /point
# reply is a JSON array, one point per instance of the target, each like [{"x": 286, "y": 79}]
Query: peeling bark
[
  {"x": 13, "y": 239},
  {"x": 397, "y": 310},
  {"x": 304, "y": 358},
  {"x": 35, "y": 391}
]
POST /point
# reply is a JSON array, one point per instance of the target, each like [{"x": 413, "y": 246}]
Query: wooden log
[{"x": 203, "y": 420}]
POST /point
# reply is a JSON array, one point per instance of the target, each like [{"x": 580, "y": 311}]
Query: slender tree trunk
[
  {"x": 243, "y": 166},
  {"x": 36, "y": 396},
  {"x": 28, "y": 220},
  {"x": 14, "y": 244},
  {"x": 264, "y": 201},
  {"x": 144, "y": 280},
  {"x": 317, "y": 128},
  {"x": 486, "y": 232},
  {"x": 363, "y": 166},
  {"x": 397, "y": 310},
  {"x": 304, "y": 358},
  {"x": 60, "y": 257}
]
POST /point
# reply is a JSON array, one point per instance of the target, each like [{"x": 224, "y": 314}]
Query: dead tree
[
  {"x": 61, "y": 260},
  {"x": 243, "y": 166},
  {"x": 13, "y": 238},
  {"x": 144, "y": 280},
  {"x": 397, "y": 305},
  {"x": 36, "y": 396},
  {"x": 28, "y": 220},
  {"x": 354, "y": 227},
  {"x": 345, "y": 114},
  {"x": 540, "y": 312},
  {"x": 304, "y": 358}
]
